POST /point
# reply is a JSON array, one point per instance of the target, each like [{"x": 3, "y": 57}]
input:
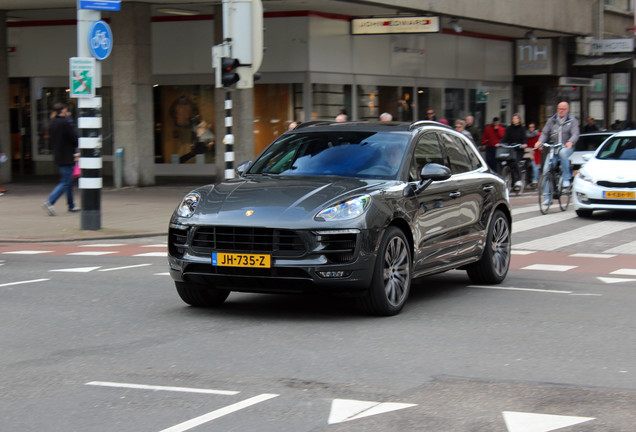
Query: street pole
[{"x": 89, "y": 123}]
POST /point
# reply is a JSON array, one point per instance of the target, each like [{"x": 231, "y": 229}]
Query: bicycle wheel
[
  {"x": 545, "y": 191},
  {"x": 506, "y": 175},
  {"x": 564, "y": 195}
]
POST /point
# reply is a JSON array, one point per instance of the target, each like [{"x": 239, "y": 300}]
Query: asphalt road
[{"x": 103, "y": 343}]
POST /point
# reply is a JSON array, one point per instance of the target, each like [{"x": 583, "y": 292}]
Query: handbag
[
  {"x": 503, "y": 153},
  {"x": 76, "y": 170}
]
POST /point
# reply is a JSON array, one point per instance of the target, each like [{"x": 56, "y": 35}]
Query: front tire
[
  {"x": 584, "y": 213},
  {"x": 564, "y": 195},
  {"x": 493, "y": 266},
  {"x": 200, "y": 295},
  {"x": 391, "y": 282},
  {"x": 546, "y": 192}
]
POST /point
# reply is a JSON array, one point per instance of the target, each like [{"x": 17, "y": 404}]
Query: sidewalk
[{"x": 125, "y": 212}]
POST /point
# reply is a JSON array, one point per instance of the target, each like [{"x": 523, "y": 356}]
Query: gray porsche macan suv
[{"x": 357, "y": 209}]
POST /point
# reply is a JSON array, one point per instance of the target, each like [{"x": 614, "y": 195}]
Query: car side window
[
  {"x": 427, "y": 150},
  {"x": 471, "y": 151},
  {"x": 457, "y": 156}
]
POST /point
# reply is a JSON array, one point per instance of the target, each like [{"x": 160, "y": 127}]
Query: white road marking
[
  {"x": 23, "y": 282},
  {"x": 158, "y": 245},
  {"x": 343, "y": 410},
  {"x": 591, "y": 255},
  {"x": 197, "y": 421},
  {"x": 549, "y": 267},
  {"x": 77, "y": 270},
  {"x": 541, "y": 220},
  {"x": 627, "y": 248},
  {"x": 162, "y": 388},
  {"x": 125, "y": 267},
  {"x": 526, "y": 209},
  {"x": 519, "y": 289},
  {"x": 614, "y": 280},
  {"x": 522, "y": 252},
  {"x": 530, "y": 422},
  {"x": 579, "y": 235},
  {"x": 27, "y": 252},
  {"x": 152, "y": 254},
  {"x": 625, "y": 272},
  {"x": 104, "y": 245},
  {"x": 162, "y": 274},
  {"x": 92, "y": 253}
]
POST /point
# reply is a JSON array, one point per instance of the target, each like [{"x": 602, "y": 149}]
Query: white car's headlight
[
  {"x": 349, "y": 209},
  {"x": 581, "y": 175},
  {"x": 188, "y": 204}
]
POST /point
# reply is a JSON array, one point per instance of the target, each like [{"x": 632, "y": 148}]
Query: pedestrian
[
  {"x": 493, "y": 133},
  {"x": 430, "y": 114},
  {"x": 561, "y": 128},
  {"x": 516, "y": 134},
  {"x": 590, "y": 125},
  {"x": 386, "y": 117},
  {"x": 460, "y": 127},
  {"x": 473, "y": 129},
  {"x": 63, "y": 146},
  {"x": 533, "y": 137}
]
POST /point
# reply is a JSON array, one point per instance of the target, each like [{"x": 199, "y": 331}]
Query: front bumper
[{"x": 589, "y": 196}]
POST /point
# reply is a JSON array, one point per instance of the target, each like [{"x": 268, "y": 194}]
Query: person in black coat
[
  {"x": 516, "y": 133},
  {"x": 63, "y": 145}
]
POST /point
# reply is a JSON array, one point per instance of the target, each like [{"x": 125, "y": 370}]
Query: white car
[
  {"x": 608, "y": 180},
  {"x": 587, "y": 144}
]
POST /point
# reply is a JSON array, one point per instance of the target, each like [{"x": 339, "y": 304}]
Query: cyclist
[
  {"x": 561, "y": 128},
  {"x": 516, "y": 133}
]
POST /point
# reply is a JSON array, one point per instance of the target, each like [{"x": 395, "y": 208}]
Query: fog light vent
[{"x": 333, "y": 274}]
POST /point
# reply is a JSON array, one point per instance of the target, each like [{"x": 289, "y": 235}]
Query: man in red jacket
[{"x": 493, "y": 133}]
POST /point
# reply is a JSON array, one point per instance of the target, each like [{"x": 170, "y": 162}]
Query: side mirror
[
  {"x": 435, "y": 172},
  {"x": 242, "y": 168}
]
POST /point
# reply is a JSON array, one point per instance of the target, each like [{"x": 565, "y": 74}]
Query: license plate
[
  {"x": 240, "y": 260},
  {"x": 619, "y": 194}
]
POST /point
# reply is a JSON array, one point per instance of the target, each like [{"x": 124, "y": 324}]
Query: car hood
[
  {"x": 611, "y": 170},
  {"x": 274, "y": 200}
]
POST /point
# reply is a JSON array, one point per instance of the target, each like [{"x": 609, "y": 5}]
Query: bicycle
[
  {"x": 507, "y": 157},
  {"x": 551, "y": 182}
]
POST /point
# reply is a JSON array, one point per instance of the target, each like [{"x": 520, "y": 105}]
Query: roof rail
[
  {"x": 421, "y": 123},
  {"x": 312, "y": 123}
]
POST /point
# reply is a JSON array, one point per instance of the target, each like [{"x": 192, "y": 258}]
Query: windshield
[
  {"x": 589, "y": 142},
  {"x": 619, "y": 148},
  {"x": 338, "y": 153}
]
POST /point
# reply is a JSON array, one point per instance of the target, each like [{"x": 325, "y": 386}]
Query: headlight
[
  {"x": 188, "y": 205},
  {"x": 345, "y": 210},
  {"x": 583, "y": 176}
]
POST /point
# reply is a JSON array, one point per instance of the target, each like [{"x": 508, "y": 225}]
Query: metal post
[
  {"x": 89, "y": 123},
  {"x": 228, "y": 139}
]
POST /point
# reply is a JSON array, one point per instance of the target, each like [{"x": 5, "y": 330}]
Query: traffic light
[{"x": 229, "y": 75}]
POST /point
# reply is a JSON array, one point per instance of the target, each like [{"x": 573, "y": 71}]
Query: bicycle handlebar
[
  {"x": 510, "y": 146},
  {"x": 551, "y": 145}
]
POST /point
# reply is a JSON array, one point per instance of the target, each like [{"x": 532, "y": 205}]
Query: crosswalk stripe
[
  {"x": 579, "y": 235},
  {"x": 526, "y": 209},
  {"x": 539, "y": 221},
  {"x": 27, "y": 252},
  {"x": 92, "y": 253},
  {"x": 627, "y": 248}
]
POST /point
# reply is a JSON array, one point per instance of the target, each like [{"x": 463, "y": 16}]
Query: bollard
[{"x": 119, "y": 166}]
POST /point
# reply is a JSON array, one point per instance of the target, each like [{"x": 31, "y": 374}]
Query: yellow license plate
[
  {"x": 240, "y": 260},
  {"x": 619, "y": 194}
]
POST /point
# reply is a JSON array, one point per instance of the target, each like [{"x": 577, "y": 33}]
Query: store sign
[
  {"x": 600, "y": 46},
  {"x": 82, "y": 77},
  {"x": 534, "y": 58},
  {"x": 422, "y": 24}
]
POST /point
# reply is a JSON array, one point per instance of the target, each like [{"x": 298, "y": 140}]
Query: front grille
[
  {"x": 177, "y": 241},
  {"x": 245, "y": 239},
  {"x": 610, "y": 184},
  {"x": 612, "y": 201}
]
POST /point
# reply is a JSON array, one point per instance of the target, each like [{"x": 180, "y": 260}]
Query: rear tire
[
  {"x": 493, "y": 266},
  {"x": 545, "y": 192},
  {"x": 201, "y": 295},
  {"x": 391, "y": 282}
]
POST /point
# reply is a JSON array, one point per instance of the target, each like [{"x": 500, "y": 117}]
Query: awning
[{"x": 601, "y": 61}]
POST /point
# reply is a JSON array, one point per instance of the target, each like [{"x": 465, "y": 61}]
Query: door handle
[
  {"x": 455, "y": 194},
  {"x": 488, "y": 188}
]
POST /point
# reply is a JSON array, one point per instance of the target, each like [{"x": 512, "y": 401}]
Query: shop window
[
  {"x": 184, "y": 124},
  {"x": 375, "y": 100},
  {"x": 274, "y": 111},
  {"x": 454, "y": 107},
  {"x": 329, "y": 100}
]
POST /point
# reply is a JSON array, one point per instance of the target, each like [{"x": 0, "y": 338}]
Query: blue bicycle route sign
[
  {"x": 100, "y": 39},
  {"x": 107, "y": 5}
]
